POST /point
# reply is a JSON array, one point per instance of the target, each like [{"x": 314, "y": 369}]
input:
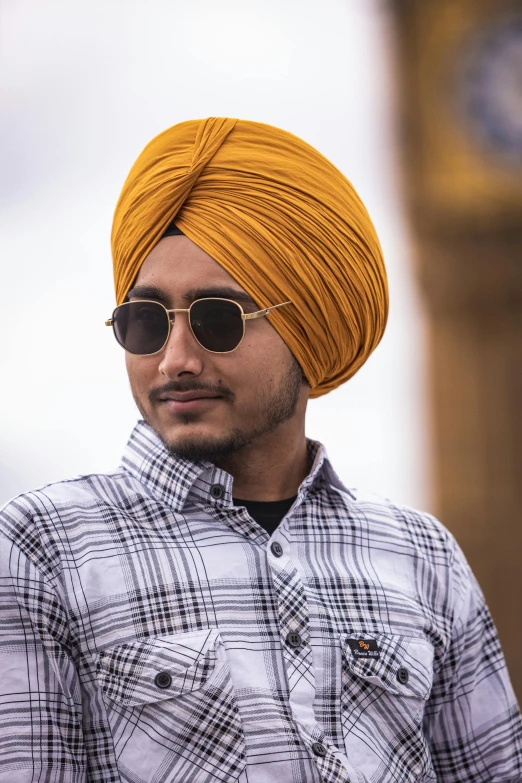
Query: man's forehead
[{"x": 177, "y": 270}]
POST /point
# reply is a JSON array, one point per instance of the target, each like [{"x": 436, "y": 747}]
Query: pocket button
[
  {"x": 163, "y": 680},
  {"x": 319, "y": 749},
  {"x": 403, "y": 675}
]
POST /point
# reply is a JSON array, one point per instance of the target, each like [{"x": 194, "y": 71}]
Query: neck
[{"x": 271, "y": 468}]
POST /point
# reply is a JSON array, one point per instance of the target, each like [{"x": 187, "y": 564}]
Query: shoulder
[
  {"x": 39, "y": 521},
  {"x": 400, "y": 529},
  {"x": 78, "y": 491}
]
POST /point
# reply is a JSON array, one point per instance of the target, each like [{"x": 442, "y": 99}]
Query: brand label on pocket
[{"x": 364, "y": 648}]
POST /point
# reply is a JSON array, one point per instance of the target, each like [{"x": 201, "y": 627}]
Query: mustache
[{"x": 214, "y": 388}]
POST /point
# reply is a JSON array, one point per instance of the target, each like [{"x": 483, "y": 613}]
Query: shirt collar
[{"x": 179, "y": 482}]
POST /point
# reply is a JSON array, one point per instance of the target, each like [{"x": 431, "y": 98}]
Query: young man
[{"x": 222, "y": 608}]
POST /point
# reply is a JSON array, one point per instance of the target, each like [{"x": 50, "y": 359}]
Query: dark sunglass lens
[
  {"x": 141, "y": 327},
  {"x": 217, "y": 324}
]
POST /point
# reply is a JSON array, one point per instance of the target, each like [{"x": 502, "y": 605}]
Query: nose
[{"x": 182, "y": 354}]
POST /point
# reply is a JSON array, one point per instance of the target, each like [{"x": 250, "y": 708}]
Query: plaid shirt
[{"x": 151, "y": 631}]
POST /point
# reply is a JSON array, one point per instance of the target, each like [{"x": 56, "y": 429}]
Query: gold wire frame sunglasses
[{"x": 142, "y": 327}]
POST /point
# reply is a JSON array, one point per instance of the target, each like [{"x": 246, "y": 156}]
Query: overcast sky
[{"x": 84, "y": 86}]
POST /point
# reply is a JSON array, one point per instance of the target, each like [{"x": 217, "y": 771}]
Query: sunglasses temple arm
[{"x": 261, "y": 313}]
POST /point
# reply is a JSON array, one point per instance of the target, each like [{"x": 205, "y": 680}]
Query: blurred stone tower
[{"x": 460, "y": 122}]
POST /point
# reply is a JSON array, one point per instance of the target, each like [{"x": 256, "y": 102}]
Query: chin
[{"x": 200, "y": 443}]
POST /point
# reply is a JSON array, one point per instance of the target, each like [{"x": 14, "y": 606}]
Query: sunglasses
[{"x": 143, "y": 327}]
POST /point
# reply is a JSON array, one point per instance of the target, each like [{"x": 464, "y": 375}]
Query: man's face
[{"x": 237, "y": 398}]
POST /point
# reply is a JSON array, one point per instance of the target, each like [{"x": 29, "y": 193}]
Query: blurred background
[{"x": 419, "y": 104}]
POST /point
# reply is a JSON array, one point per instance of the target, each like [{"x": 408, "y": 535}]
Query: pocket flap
[
  {"x": 153, "y": 669},
  {"x": 402, "y": 665}
]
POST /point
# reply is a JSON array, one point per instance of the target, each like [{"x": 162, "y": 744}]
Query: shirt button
[
  {"x": 276, "y": 548},
  {"x": 294, "y": 639},
  {"x": 319, "y": 749},
  {"x": 403, "y": 676},
  {"x": 163, "y": 680},
  {"x": 217, "y": 491}
]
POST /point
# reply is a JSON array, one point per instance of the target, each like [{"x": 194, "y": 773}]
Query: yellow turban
[{"x": 280, "y": 218}]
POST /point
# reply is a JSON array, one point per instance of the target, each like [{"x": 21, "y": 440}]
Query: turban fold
[{"x": 280, "y": 218}]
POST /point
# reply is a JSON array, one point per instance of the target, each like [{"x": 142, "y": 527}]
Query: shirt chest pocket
[
  {"x": 386, "y": 681},
  {"x": 171, "y": 708}
]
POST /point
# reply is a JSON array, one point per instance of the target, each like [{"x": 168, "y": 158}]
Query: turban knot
[{"x": 280, "y": 218}]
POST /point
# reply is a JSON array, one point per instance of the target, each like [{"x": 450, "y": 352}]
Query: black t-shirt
[{"x": 269, "y": 513}]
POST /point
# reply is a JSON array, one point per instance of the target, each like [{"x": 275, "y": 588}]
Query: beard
[{"x": 273, "y": 406}]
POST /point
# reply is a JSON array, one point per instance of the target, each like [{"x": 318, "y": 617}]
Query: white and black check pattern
[{"x": 150, "y": 631}]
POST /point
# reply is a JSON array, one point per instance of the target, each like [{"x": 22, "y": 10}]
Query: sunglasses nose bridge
[{"x": 173, "y": 317}]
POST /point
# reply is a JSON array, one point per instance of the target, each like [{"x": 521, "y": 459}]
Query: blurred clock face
[{"x": 489, "y": 86}]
